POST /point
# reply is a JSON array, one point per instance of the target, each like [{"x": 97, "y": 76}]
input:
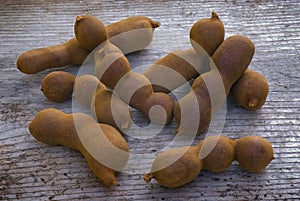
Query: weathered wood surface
[{"x": 30, "y": 170}]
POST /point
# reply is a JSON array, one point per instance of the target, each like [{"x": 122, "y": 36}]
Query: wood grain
[{"x": 30, "y": 170}]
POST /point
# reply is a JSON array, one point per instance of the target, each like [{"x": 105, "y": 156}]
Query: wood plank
[{"x": 30, "y": 170}]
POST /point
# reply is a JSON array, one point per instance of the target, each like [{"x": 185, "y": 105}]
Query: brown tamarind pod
[
  {"x": 76, "y": 131},
  {"x": 251, "y": 90},
  {"x": 254, "y": 153},
  {"x": 36, "y": 60},
  {"x": 185, "y": 167},
  {"x": 217, "y": 153},
  {"x": 175, "y": 69},
  {"x": 105, "y": 106},
  {"x": 130, "y": 34},
  {"x": 210, "y": 89},
  {"x": 207, "y": 34},
  {"x": 113, "y": 69},
  {"x": 89, "y": 31},
  {"x": 58, "y": 86},
  {"x": 180, "y": 66}
]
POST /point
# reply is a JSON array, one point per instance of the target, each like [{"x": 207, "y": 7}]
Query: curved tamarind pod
[
  {"x": 210, "y": 90},
  {"x": 54, "y": 127}
]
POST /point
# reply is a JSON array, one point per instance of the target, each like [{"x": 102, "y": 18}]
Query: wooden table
[{"x": 31, "y": 170}]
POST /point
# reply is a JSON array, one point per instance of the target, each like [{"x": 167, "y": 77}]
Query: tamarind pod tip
[
  {"x": 148, "y": 177},
  {"x": 214, "y": 15},
  {"x": 155, "y": 24}
]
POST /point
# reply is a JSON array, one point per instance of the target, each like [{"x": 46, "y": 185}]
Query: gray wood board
[{"x": 31, "y": 170}]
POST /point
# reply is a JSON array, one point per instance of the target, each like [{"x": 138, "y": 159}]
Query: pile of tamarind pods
[{"x": 217, "y": 66}]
